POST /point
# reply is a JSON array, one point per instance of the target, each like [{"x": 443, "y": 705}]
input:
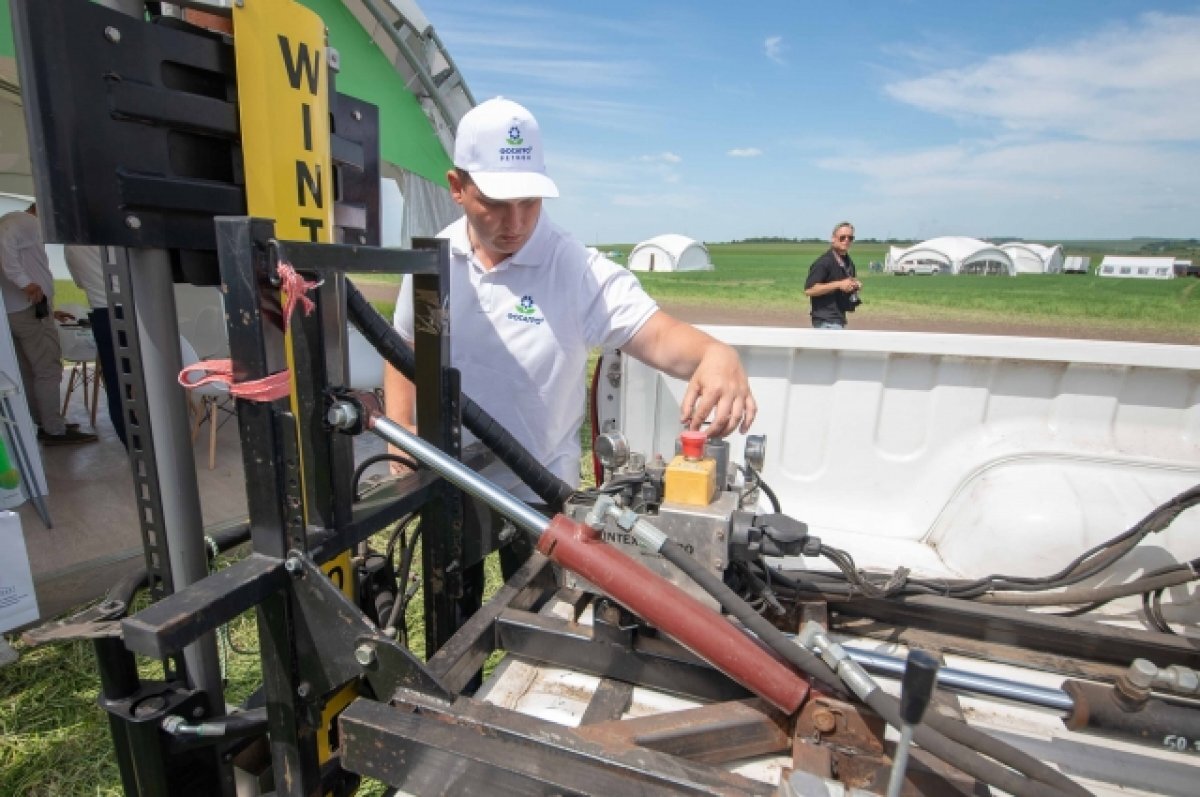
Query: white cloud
[
  {"x": 662, "y": 157},
  {"x": 773, "y": 47},
  {"x": 745, "y": 152},
  {"x": 1138, "y": 82}
]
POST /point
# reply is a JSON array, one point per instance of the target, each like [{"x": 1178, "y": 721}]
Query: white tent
[
  {"x": 1034, "y": 258},
  {"x": 670, "y": 253},
  {"x": 1077, "y": 264},
  {"x": 953, "y": 255},
  {"x": 1162, "y": 268}
]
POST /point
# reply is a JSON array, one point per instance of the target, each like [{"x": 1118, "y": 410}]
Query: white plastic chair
[
  {"x": 79, "y": 350},
  {"x": 213, "y": 398}
]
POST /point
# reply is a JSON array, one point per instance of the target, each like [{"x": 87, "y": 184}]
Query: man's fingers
[{"x": 687, "y": 409}]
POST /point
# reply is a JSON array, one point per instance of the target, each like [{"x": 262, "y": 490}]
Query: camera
[{"x": 853, "y": 300}]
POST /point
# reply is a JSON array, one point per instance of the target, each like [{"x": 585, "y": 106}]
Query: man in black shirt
[{"x": 831, "y": 284}]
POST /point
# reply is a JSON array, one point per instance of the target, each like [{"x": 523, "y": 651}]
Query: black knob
[{"x": 920, "y": 674}]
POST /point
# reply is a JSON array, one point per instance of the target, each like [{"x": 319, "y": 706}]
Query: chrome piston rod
[
  {"x": 344, "y": 414},
  {"x": 969, "y": 682}
]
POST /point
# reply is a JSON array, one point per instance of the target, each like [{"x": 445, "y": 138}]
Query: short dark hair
[{"x": 839, "y": 226}]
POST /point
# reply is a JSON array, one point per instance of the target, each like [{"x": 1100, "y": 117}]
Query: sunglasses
[{"x": 845, "y": 238}]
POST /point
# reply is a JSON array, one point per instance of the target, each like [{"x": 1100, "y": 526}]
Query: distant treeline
[
  {"x": 1140, "y": 245},
  {"x": 782, "y": 240}
]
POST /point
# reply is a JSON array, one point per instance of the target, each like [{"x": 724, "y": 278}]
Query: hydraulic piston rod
[{"x": 580, "y": 549}]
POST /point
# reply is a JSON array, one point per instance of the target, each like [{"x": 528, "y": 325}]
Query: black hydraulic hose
[
  {"x": 949, "y": 740},
  {"x": 408, "y": 462},
  {"x": 1095, "y": 594},
  {"x": 387, "y": 341}
]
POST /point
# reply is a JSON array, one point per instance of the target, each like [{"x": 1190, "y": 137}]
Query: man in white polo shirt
[{"x": 528, "y": 302}]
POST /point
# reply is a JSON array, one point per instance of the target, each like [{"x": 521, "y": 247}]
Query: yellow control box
[{"x": 690, "y": 481}]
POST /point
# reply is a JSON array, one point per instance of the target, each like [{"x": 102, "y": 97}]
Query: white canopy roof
[
  {"x": 670, "y": 252},
  {"x": 956, "y": 252}
]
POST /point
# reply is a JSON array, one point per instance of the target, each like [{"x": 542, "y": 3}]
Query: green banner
[
  {"x": 6, "y": 43},
  {"x": 406, "y": 136}
]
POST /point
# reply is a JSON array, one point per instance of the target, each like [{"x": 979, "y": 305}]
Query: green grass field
[
  {"x": 772, "y": 276},
  {"x": 750, "y": 276}
]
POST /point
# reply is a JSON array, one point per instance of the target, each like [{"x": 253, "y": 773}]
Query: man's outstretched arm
[{"x": 717, "y": 384}]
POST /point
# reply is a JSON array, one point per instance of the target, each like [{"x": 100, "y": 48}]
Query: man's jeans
[{"x": 828, "y": 325}]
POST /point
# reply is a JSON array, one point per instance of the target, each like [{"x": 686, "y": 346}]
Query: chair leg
[
  {"x": 212, "y": 434},
  {"x": 70, "y": 388},
  {"x": 97, "y": 378}
]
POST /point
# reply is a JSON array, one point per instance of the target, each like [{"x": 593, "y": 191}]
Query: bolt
[
  {"x": 507, "y": 531},
  {"x": 293, "y": 565},
  {"x": 365, "y": 655},
  {"x": 720, "y": 536},
  {"x": 133, "y": 222},
  {"x": 303, "y": 690},
  {"x": 357, "y": 114},
  {"x": 112, "y": 34},
  {"x": 824, "y": 721},
  {"x": 342, "y": 415},
  {"x": 198, "y": 712},
  {"x": 1141, "y": 673}
]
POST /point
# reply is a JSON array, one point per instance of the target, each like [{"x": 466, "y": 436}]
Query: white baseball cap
[{"x": 499, "y": 144}]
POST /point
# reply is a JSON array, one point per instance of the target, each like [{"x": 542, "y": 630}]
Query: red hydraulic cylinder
[{"x": 700, "y": 629}]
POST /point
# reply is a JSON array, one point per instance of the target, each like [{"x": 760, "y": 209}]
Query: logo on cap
[{"x": 514, "y": 136}]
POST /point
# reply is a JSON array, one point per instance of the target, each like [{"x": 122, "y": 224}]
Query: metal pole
[{"x": 158, "y": 335}]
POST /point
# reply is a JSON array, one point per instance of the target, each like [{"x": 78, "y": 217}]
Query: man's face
[
  {"x": 501, "y": 227},
  {"x": 842, "y": 238}
]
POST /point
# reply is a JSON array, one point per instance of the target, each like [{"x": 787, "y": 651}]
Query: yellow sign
[{"x": 283, "y": 102}]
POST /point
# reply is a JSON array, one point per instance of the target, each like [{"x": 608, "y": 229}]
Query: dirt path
[{"x": 874, "y": 319}]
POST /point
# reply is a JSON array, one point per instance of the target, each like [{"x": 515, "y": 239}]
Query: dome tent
[
  {"x": 954, "y": 255},
  {"x": 670, "y": 253},
  {"x": 1034, "y": 258}
]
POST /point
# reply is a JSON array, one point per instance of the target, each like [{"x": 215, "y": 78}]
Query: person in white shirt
[
  {"x": 28, "y": 290},
  {"x": 528, "y": 301}
]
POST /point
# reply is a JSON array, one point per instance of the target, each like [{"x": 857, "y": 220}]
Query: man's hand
[
  {"x": 719, "y": 387},
  {"x": 34, "y": 293},
  {"x": 849, "y": 285},
  {"x": 717, "y": 384},
  {"x": 63, "y": 317}
]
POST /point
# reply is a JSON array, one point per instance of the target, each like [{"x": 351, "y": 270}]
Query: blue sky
[{"x": 1056, "y": 119}]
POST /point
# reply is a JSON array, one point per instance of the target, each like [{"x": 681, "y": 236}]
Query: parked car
[{"x": 912, "y": 269}]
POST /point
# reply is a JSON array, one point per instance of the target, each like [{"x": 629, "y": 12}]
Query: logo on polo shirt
[
  {"x": 515, "y": 151},
  {"x": 527, "y": 312}
]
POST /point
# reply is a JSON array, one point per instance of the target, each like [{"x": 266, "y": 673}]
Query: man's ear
[{"x": 456, "y": 186}]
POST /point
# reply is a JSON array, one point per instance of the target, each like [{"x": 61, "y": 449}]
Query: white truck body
[{"x": 957, "y": 456}]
